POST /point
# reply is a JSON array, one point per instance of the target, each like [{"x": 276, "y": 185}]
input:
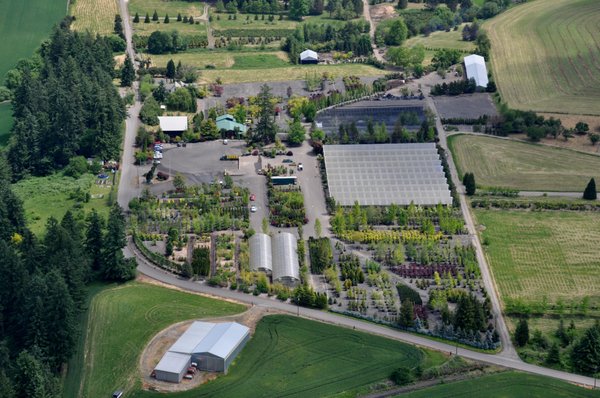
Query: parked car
[
  {"x": 191, "y": 370},
  {"x": 117, "y": 394},
  {"x": 194, "y": 364},
  {"x": 300, "y": 166},
  {"x": 253, "y": 209},
  {"x": 188, "y": 376},
  {"x": 225, "y": 141},
  {"x": 252, "y": 197},
  {"x": 287, "y": 161}
]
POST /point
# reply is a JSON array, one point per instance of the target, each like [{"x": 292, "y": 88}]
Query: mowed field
[
  {"x": 519, "y": 165},
  {"x": 121, "y": 322},
  {"x": 96, "y": 16},
  {"x": 545, "y": 56},
  {"x": 442, "y": 39},
  {"x": 295, "y": 357},
  {"x": 505, "y": 385},
  {"x": 551, "y": 254},
  {"x": 23, "y": 26}
]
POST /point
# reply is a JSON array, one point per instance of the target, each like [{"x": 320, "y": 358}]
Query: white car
[
  {"x": 253, "y": 209},
  {"x": 225, "y": 141}
]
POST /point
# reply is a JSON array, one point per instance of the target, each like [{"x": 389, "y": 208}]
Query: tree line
[
  {"x": 65, "y": 104},
  {"x": 43, "y": 289}
]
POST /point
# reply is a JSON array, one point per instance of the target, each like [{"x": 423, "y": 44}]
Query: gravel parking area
[{"x": 468, "y": 106}]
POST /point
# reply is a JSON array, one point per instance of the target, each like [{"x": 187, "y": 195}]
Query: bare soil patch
[{"x": 381, "y": 12}]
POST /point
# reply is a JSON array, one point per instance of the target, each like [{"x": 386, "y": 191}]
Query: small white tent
[
  {"x": 476, "y": 70},
  {"x": 309, "y": 57}
]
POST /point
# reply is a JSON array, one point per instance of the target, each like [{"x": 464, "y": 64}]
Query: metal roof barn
[
  {"x": 385, "y": 174},
  {"x": 173, "y": 366},
  {"x": 285, "y": 258},
  {"x": 173, "y": 123},
  {"x": 476, "y": 70},
  {"x": 213, "y": 346},
  {"x": 260, "y": 253}
]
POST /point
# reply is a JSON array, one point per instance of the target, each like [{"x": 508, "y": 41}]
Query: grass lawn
[
  {"x": 45, "y": 197},
  {"x": 194, "y": 9},
  {"x": 505, "y": 385},
  {"x": 6, "y": 123},
  {"x": 225, "y": 59},
  {"x": 121, "y": 322},
  {"x": 442, "y": 39},
  {"x": 545, "y": 56},
  {"x": 23, "y": 26},
  {"x": 524, "y": 166},
  {"x": 97, "y": 16},
  {"x": 294, "y": 357},
  {"x": 196, "y": 29},
  {"x": 545, "y": 254},
  {"x": 246, "y": 21}
]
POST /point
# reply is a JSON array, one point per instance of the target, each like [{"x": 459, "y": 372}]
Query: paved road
[
  {"x": 149, "y": 270},
  {"x": 129, "y": 184},
  {"x": 508, "y": 350}
]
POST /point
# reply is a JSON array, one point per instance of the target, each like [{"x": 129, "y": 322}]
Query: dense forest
[
  {"x": 43, "y": 288},
  {"x": 65, "y": 104}
]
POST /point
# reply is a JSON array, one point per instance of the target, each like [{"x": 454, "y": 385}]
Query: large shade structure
[
  {"x": 309, "y": 57},
  {"x": 213, "y": 346},
  {"x": 173, "y": 124},
  {"x": 260, "y": 253},
  {"x": 285, "y": 259},
  {"x": 385, "y": 174},
  {"x": 476, "y": 70}
]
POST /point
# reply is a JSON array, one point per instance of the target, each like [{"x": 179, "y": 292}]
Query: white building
[
  {"x": 475, "y": 69},
  {"x": 309, "y": 57},
  {"x": 173, "y": 124},
  {"x": 213, "y": 346}
]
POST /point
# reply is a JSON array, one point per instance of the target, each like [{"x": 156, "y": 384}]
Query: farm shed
[
  {"x": 228, "y": 124},
  {"x": 476, "y": 70},
  {"x": 172, "y": 367},
  {"x": 260, "y": 253},
  {"x": 309, "y": 57},
  {"x": 385, "y": 174},
  {"x": 285, "y": 259},
  {"x": 173, "y": 124},
  {"x": 213, "y": 346}
]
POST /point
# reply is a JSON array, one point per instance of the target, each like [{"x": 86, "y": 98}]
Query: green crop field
[
  {"x": 543, "y": 254},
  {"x": 225, "y": 59},
  {"x": 505, "y": 385},
  {"x": 96, "y": 16},
  {"x": 194, "y": 9},
  {"x": 294, "y": 357},
  {"x": 123, "y": 319},
  {"x": 23, "y": 26},
  {"x": 545, "y": 56},
  {"x": 6, "y": 123},
  {"x": 197, "y": 29},
  {"x": 504, "y": 163},
  {"x": 45, "y": 197}
]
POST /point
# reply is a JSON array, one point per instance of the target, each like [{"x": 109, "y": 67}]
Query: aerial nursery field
[
  {"x": 23, "y": 26},
  {"x": 543, "y": 254},
  {"x": 294, "y": 357},
  {"x": 224, "y": 59},
  {"x": 96, "y": 16},
  {"x": 519, "y": 165},
  {"x": 197, "y": 29},
  {"x": 503, "y": 385},
  {"x": 121, "y": 322},
  {"x": 194, "y": 9},
  {"x": 545, "y": 56},
  {"x": 442, "y": 39}
]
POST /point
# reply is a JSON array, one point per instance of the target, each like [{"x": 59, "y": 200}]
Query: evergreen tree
[
  {"x": 147, "y": 19},
  {"x": 590, "y": 191},
  {"x": 160, "y": 92},
  {"x": 94, "y": 240},
  {"x": 469, "y": 183},
  {"x": 585, "y": 356},
  {"x": 179, "y": 17},
  {"x": 317, "y": 7},
  {"x": 118, "y": 29},
  {"x": 522, "y": 333},
  {"x": 116, "y": 267},
  {"x": 136, "y": 19},
  {"x": 7, "y": 389},
  {"x": 155, "y": 16},
  {"x": 166, "y": 18},
  {"x": 32, "y": 377},
  {"x": 170, "y": 70},
  {"x": 298, "y": 9},
  {"x": 553, "y": 357},
  {"x": 127, "y": 72},
  {"x": 402, "y": 4},
  {"x": 266, "y": 129},
  {"x": 407, "y": 315}
]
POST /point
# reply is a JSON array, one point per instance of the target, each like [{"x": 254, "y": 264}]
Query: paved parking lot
[{"x": 467, "y": 106}]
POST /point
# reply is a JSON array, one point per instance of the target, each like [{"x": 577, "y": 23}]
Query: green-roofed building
[{"x": 227, "y": 123}]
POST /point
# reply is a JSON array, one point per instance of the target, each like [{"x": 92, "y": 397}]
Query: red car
[{"x": 253, "y": 197}]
